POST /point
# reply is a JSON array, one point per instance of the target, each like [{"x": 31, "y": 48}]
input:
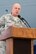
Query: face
[{"x": 16, "y": 9}]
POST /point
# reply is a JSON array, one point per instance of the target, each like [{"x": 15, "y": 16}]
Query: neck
[{"x": 14, "y": 15}]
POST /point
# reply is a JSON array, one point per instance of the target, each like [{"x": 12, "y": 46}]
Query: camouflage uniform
[{"x": 6, "y": 21}]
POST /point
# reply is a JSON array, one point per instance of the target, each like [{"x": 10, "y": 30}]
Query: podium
[{"x": 20, "y": 40}]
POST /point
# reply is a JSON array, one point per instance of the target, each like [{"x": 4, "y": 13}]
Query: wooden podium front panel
[
  {"x": 23, "y": 32},
  {"x": 22, "y": 46}
]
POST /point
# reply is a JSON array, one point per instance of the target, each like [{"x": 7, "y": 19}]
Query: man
[{"x": 10, "y": 20}]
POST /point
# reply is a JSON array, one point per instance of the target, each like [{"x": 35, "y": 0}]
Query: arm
[
  {"x": 2, "y": 20},
  {"x": 5, "y": 34}
]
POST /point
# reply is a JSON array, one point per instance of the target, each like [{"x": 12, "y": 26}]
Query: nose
[{"x": 17, "y": 9}]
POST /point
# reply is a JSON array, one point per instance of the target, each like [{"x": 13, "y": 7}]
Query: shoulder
[{"x": 5, "y": 15}]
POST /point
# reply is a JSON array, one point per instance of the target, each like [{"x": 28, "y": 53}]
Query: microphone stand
[{"x": 26, "y": 23}]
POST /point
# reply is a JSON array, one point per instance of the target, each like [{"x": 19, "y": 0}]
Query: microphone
[
  {"x": 19, "y": 16},
  {"x": 23, "y": 20}
]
